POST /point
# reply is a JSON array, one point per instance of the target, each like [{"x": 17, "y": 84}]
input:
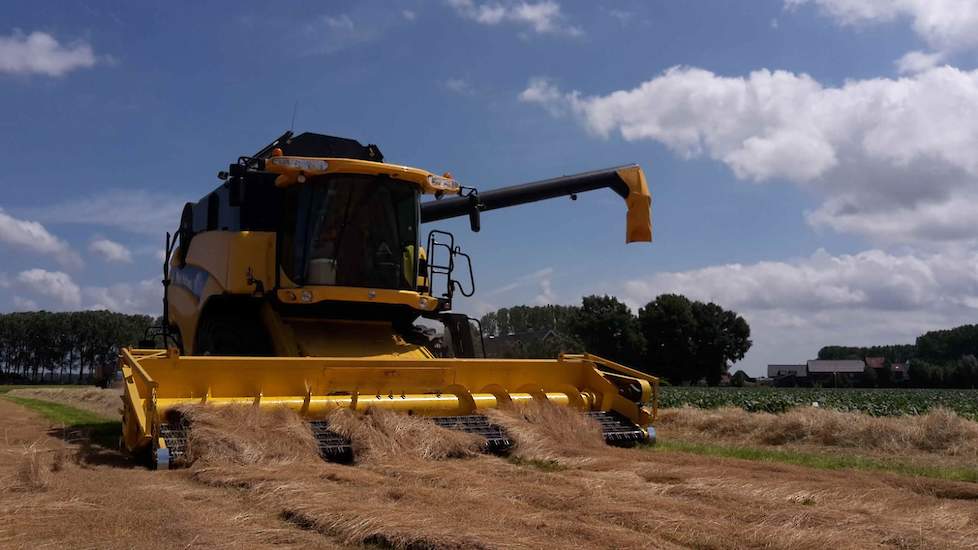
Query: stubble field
[{"x": 257, "y": 482}]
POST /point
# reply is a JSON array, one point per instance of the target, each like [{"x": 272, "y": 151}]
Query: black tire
[{"x": 235, "y": 332}]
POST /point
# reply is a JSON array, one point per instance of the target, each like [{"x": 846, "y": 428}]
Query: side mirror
[
  {"x": 186, "y": 232},
  {"x": 423, "y": 267},
  {"x": 475, "y": 221}
]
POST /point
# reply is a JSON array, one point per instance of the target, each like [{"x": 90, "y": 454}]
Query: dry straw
[{"x": 938, "y": 431}]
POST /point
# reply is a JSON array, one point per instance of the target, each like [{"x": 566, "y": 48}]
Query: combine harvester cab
[{"x": 297, "y": 283}]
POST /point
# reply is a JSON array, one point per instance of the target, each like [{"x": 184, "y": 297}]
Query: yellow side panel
[
  {"x": 232, "y": 257},
  {"x": 184, "y": 308}
]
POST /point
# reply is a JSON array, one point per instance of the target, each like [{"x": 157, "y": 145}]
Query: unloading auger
[{"x": 298, "y": 282}]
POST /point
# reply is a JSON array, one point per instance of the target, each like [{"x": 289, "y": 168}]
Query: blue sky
[{"x": 811, "y": 161}]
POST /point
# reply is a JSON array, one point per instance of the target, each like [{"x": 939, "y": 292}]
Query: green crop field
[{"x": 876, "y": 402}]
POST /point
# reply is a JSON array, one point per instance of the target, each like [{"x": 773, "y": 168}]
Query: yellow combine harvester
[{"x": 298, "y": 283}]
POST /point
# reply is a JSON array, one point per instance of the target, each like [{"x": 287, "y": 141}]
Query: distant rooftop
[
  {"x": 841, "y": 365},
  {"x": 777, "y": 371},
  {"x": 876, "y": 362}
]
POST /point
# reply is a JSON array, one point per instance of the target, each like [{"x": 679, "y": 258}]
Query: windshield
[{"x": 352, "y": 230}]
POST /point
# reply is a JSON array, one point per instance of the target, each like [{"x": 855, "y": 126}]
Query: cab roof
[{"x": 308, "y": 144}]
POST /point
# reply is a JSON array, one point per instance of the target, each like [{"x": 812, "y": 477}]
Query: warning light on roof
[{"x": 443, "y": 183}]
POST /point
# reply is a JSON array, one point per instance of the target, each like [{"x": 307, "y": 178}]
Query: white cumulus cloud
[
  {"x": 546, "y": 295},
  {"x": 544, "y": 17},
  {"x": 37, "y": 288},
  {"x": 873, "y": 279},
  {"x": 134, "y": 211},
  {"x": 872, "y": 148},
  {"x": 795, "y": 307},
  {"x": 25, "y": 304},
  {"x": 916, "y": 62},
  {"x": 110, "y": 251},
  {"x": 41, "y": 53},
  {"x": 459, "y": 86},
  {"x": 142, "y": 297},
  {"x": 944, "y": 24},
  {"x": 52, "y": 284},
  {"x": 32, "y": 236}
]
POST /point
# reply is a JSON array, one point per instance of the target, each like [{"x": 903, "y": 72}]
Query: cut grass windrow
[
  {"x": 105, "y": 428},
  {"x": 821, "y": 461}
]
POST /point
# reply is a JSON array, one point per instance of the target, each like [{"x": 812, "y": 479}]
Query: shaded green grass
[
  {"x": 821, "y": 461},
  {"x": 97, "y": 428},
  {"x": 4, "y": 388},
  {"x": 56, "y": 412}
]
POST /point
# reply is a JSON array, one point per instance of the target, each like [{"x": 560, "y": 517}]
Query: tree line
[
  {"x": 938, "y": 358},
  {"x": 64, "y": 347},
  {"x": 672, "y": 337}
]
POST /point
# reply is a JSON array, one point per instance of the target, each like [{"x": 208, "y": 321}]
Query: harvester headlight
[
  {"x": 442, "y": 183},
  {"x": 299, "y": 163},
  {"x": 306, "y": 296}
]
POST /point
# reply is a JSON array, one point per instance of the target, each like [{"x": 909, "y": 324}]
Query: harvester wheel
[{"x": 231, "y": 333}]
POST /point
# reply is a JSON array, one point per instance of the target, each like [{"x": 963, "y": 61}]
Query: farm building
[
  {"x": 899, "y": 372},
  {"x": 780, "y": 371},
  {"x": 837, "y": 366},
  {"x": 876, "y": 362},
  {"x": 831, "y": 372},
  {"x": 837, "y": 371}
]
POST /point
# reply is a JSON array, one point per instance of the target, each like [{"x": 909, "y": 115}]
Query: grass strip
[
  {"x": 4, "y": 388},
  {"x": 97, "y": 428},
  {"x": 821, "y": 461},
  {"x": 56, "y": 412}
]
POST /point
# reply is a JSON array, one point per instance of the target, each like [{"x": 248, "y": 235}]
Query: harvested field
[
  {"x": 400, "y": 494},
  {"x": 58, "y": 493},
  {"x": 257, "y": 481}
]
